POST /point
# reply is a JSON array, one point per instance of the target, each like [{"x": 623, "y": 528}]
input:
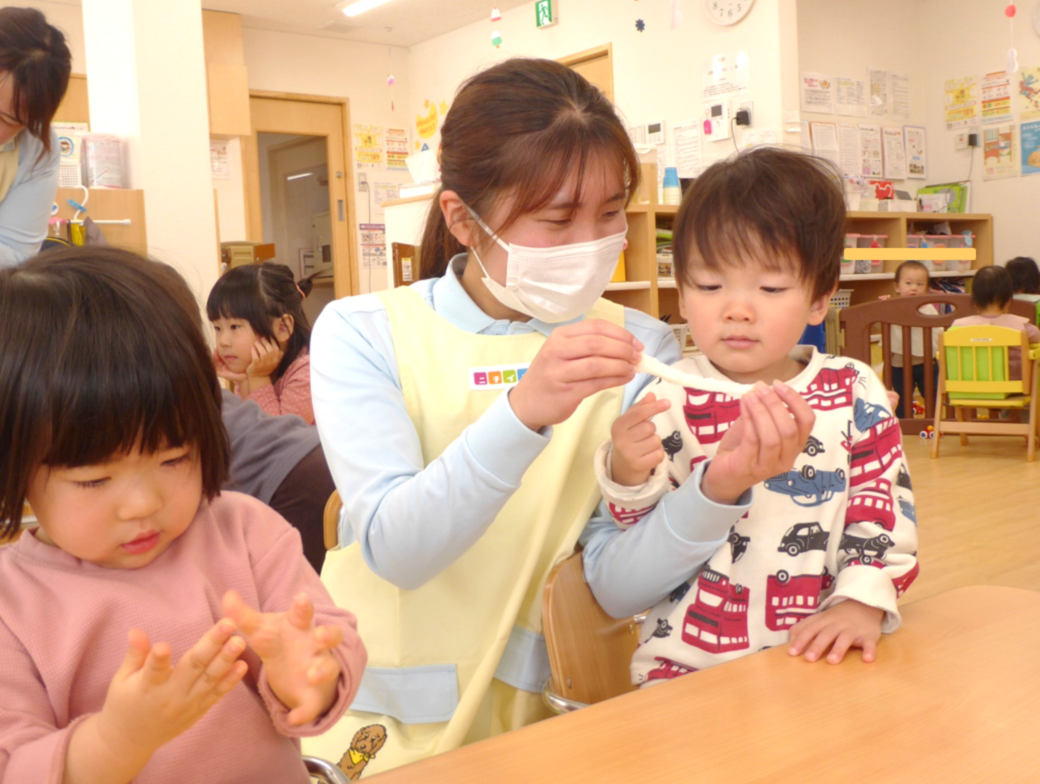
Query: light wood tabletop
[{"x": 953, "y": 696}]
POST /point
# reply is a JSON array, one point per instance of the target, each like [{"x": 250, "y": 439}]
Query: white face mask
[{"x": 553, "y": 284}]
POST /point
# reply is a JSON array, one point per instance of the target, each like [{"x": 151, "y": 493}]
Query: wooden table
[{"x": 954, "y": 696}]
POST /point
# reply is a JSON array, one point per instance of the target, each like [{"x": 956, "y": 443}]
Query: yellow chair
[
  {"x": 331, "y": 520},
  {"x": 974, "y": 373},
  {"x": 589, "y": 652}
]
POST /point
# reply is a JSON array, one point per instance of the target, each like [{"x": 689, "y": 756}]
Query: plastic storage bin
[
  {"x": 848, "y": 266},
  {"x": 870, "y": 241},
  {"x": 841, "y": 298}
]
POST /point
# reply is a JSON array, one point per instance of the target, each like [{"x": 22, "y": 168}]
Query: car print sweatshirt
[{"x": 840, "y": 525}]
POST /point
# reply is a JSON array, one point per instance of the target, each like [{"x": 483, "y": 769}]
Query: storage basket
[{"x": 841, "y": 298}]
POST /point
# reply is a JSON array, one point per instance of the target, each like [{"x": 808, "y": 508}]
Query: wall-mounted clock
[{"x": 727, "y": 12}]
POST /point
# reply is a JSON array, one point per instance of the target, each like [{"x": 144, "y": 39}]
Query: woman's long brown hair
[{"x": 520, "y": 128}]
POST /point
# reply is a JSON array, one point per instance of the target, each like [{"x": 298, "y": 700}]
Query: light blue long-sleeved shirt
[
  {"x": 414, "y": 520},
  {"x": 25, "y": 210}
]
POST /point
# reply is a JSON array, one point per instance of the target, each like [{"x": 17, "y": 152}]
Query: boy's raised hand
[
  {"x": 774, "y": 424},
  {"x": 151, "y": 701},
  {"x": 300, "y": 667},
  {"x": 637, "y": 448},
  {"x": 849, "y": 624}
]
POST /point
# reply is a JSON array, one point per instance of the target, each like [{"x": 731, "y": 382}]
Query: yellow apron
[
  {"x": 8, "y": 166},
  {"x": 462, "y": 658}
]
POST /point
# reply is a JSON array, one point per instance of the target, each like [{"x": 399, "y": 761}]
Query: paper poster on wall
[
  {"x": 894, "y": 153},
  {"x": 725, "y": 74},
  {"x": 686, "y": 139},
  {"x": 1030, "y": 133},
  {"x": 219, "y": 162},
  {"x": 825, "y": 141},
  {"x": 996, "y": 97},
  {"x": 849, "y": 151},
  {"x": 878, "y": 92},
  {"x": 916, "y": 152},
  {"x": 1029, "y": 93},
  {"x": 817, "y": 93},
  {"x": 961, "y": 102},
  {"x": 753, "y": 137},
  {"x": 899, "y": 95},
  {"x": 870, "y": 150},
  {"x": 373, "y": 244},
  {"x": 368, "y": 146},
  {"x": 396, "y": 149},
  {"x": 998, "y": 152},
  {"x": 382, "y": 192},
  {"x": 850, "y": 97},
  {"x": 637, "y": 133}
]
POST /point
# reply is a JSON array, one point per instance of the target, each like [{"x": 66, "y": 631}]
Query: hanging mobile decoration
[
  {"x": 1012, "y": 60},
  {"x": 640, "y": 25},
  {"x": 496, "y": 39},
  {"x": 676, "y": 13},
  {"x": 496, "y": 15},
  {"x": 390, "y": 75}
]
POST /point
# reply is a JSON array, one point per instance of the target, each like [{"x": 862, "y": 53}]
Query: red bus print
[
  {"x": 872, "y": 504},
  {"x": 710, "y": 414},
  {"x": 873, "y": 454},
  {"x": 832, "y": 388},
  {"x": 717, "y": 620},
  {"x": 666, "y": 670},
  {"x": 903, "y": 581},
  {"x": 790, "y": 599},
  {"x": 626, "y": 518}
]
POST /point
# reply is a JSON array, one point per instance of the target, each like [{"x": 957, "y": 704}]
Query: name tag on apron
[{"x": 496, "y": 376}]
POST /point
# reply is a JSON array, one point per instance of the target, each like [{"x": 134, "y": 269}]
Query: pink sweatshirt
[
  {"x": 291, "y": 394},
  {"x": 1011, "y": 321},
  {"x": 63, "y": 626}
]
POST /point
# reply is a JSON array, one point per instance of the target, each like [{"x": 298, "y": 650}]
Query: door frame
[
  {"x": 344, "y": 237},
  {"x": 606, "y": 51}
]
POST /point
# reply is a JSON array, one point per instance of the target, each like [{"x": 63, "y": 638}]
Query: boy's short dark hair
[
  {"x": 100, "y": 348},
  {"x": 764, "y": 204},
  {"x": 991, "y": 286},
  {"x": 1025, "y": 275},
  {"x": 906, "y": 266}
]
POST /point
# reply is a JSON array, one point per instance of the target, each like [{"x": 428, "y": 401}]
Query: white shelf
[
  {"x": 666, "y": 283},
  {"x": 631, "y": 285},
  {"x": 891, "y": 275}
]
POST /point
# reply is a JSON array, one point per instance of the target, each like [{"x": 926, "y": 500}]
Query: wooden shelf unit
[{"x": 897, "y": 226}]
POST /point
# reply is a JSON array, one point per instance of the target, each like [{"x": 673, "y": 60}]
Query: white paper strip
[{"x": 665, "y": 372}]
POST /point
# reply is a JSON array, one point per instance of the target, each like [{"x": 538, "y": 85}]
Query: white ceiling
[{"x": 397, "y": 22}]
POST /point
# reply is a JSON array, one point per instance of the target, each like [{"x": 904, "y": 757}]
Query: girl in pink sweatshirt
[
  {"x": 263, "y": 337},
  {"x": 151, "y": 628}
]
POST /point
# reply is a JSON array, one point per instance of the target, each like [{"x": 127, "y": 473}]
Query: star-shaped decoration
[
  {"x": 444, "y": 107},
  {"x": 640, "y": 25}
]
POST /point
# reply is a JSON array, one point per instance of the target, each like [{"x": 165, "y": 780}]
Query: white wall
[
  {"x": 657, "y": 73},
  {"x": 962, "y": 38},
  {"x": 848, "y": 38}
]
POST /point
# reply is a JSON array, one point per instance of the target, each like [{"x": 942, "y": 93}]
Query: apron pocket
[{"x": 412, "y": 695}]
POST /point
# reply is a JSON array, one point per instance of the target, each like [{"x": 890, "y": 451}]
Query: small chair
[
  {"x": 974, "y": 373},
  {"x": 589, "y": 652},
  {"x": 858, "y": 322},
  {"x": 324, "y": 771}
]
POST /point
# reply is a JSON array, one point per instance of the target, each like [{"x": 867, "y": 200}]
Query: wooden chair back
[
  {"x": 331, "y": 520},
  {"x": 858, "y": 322},
  {"x": 589, "y": 652}
]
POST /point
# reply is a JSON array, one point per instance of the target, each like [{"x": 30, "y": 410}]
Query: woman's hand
[
  {"x": 577, "y": 361},
  {"x": 849, "y": 624},
  {"x": 265, "y": 357},
  {"x": 637, "y": 449},
  {"x": 300, "y": 667},
  {"x": 774, "y": 424}
]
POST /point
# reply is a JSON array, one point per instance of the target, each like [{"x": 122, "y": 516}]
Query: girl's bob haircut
[{"x": 101, "y": 352}]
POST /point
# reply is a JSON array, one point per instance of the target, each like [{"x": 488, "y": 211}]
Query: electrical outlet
[
  {"x": 362, "y": 182},
  {"x": 747, "y": 106},
  {"x": 960, "y": 141}
]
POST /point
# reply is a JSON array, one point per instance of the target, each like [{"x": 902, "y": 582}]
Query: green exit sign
[{"x": 543, "y": 13}]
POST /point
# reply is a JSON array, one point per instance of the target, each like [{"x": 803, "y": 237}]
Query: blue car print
[
  {"x": 908, "y": 510},
  {"x": 866, "y": 415},
  {"x": 808, "y": 487}
]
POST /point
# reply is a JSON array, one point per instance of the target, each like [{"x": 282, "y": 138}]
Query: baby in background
[
  {"x": 991, "y": 293},
  {"x": 152, "y": 628},
  {"x": 822, "y": 536},
  {"x": 1025, "y": 278},
  {"x": 912, "y": 280}
]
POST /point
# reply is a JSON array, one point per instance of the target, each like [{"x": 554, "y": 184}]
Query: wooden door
[
  {"x": 308, "y": 115},
  {"x": 596, "y": 65}
]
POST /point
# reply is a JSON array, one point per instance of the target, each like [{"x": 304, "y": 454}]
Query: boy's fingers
[
  {"x": 840, "y": 647},
  {"x": 136, "y": 653},
  {"x": 821, "y": 643},
  {"x": 301, "y": 614},
  {"x": 156, "y": 667},
  {"x": 869, "y": 650},
  {"x": 328, "y": 635},
  {"x": 245, "y": 617}
]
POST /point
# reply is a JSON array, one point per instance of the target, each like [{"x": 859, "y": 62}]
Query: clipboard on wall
[{"x": 406, "y": 264}]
